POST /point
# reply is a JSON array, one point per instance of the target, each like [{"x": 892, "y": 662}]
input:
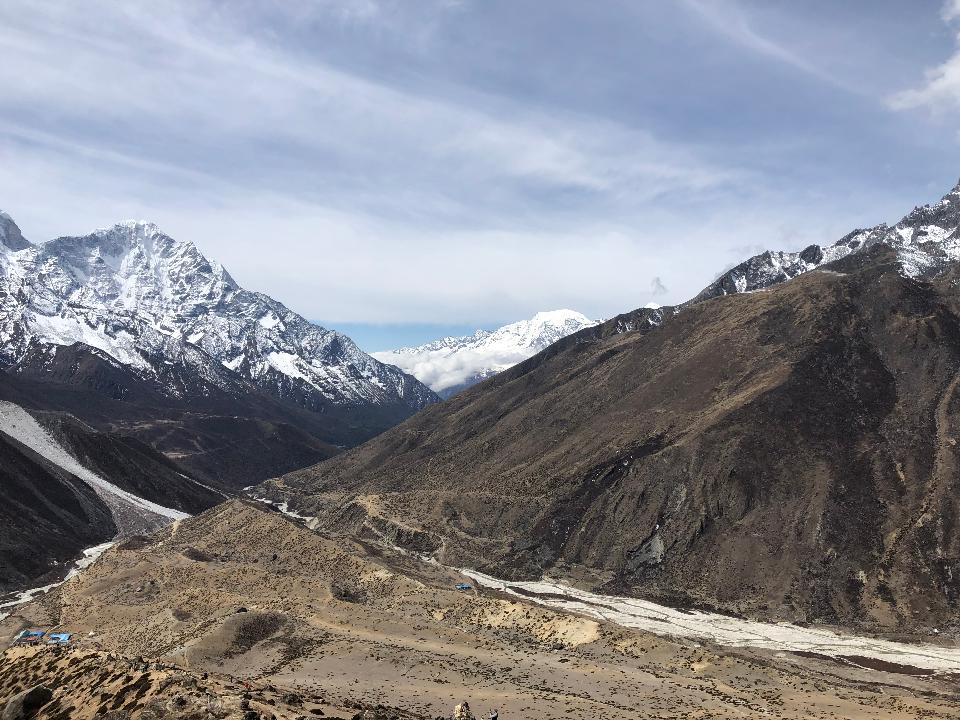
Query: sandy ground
[{"x": 248, "y": 594}]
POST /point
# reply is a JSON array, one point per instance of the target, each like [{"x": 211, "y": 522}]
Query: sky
[{"x": 406, "y": 169}]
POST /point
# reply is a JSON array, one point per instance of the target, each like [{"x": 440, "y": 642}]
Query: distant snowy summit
[
  {"x": 156, "y": 305},
  {"x": 925, "y": 241},
  {"x": 452, "y": 364}
]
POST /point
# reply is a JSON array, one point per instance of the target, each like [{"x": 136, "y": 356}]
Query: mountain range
[
  {"x": 788, "y": 454},
  {"x": 139, "y": 383},
  {"x": 783, "y": 447},
  {"x": 810, "y": 424},
  {"x": 130, "y": 329},
  {"x": 452, "y": 364}
]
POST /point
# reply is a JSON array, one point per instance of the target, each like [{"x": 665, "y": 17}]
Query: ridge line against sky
[{"x": 466, "y": 164}]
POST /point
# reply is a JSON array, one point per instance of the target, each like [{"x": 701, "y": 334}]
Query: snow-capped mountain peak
[
  {"x": 450, "y": 364},
  {"x": 135, "y": 266},
  {"x": 10, "y": 236},
  {"x": 147, "y": 299},
  {"x": 545, "y": 328},
  {"x": 925, "y": 240}
]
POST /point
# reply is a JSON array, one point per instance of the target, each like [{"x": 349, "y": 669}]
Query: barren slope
[{"x": 786, "y": 453}]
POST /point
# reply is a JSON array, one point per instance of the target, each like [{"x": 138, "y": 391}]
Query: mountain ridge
[
  {"x": 925, "y": 240},
  {"x": 783, "y": 453},
  {"x": 130, "y": 329},
  {"x": 66, "y": 487},
  {"x": 130, "y": 290}
]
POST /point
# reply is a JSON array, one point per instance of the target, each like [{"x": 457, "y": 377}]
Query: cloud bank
[{"x": 450, "y": 161}]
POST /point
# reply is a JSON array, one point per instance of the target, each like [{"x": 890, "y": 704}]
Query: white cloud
[
  {"x": 176, "y": 114},
  {"x": 349, "y": 193},
  {"x": 950, "y": 10},
  {"x": 441, "y": 370},
  {"x": 195, "y": 79},
  {"x": 941, "y": 87}
]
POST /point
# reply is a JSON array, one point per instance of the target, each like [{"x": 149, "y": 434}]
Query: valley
[
  {"x": 242, "y": 595},
  {"x": 479, "y": 360},
  {"x": 780, "y": 450},
  {"x": 740, "y": 506}
]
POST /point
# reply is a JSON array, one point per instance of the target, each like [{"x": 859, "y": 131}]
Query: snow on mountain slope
[
  {"x": 150, "y": 301},
  {"x": 454, "y": 363},
  {"x": 925, "y": 240},
  {"x": 131, "y": 513}
]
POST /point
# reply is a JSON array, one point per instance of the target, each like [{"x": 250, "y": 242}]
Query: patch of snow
[
  {"x": 283, "y": 507},
  {"x": 286, "y": 363},
  {"x": 21, "y": 426},
  {"x": 234, "y": 363},
  {"x": 269, "y": 321},
  {"x": 90, "y": 556}
]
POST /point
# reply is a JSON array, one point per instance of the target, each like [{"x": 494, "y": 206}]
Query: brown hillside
[{"x": 787, "y": 453}]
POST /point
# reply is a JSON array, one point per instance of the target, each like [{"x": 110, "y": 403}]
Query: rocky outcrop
[
  {"x": 25, "y": 705},
  {"x": 462, "y": 712}
]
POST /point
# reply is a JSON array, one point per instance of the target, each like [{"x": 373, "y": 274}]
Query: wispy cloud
[
  {"x": 379, "y": 160},
  {"x": 729, "y": 19},
  {"x": 203, "y": 84},
  {"x": 950, "y": 10}
]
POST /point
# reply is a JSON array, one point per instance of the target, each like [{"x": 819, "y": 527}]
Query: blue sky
[{"x": 464, "y": 163}]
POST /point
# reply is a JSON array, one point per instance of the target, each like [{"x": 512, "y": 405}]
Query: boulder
[{"x": 25, "y": 704}]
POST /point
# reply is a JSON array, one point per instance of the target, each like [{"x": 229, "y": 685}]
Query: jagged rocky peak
[
  {"x": 10, "y": 235},
  {"x": 136, "y": 265},
  {"x": 147, "y": 299},
  {"x": 925, "y": 240}
]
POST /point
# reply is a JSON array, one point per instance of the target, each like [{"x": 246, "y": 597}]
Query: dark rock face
[
  {"x": 787, "y": 454},
  {"x": 47, "y": 516},
  {"x": 812, "y": 254},
  {"x": 221, "y": 438},
  {"x": 131, "y": 465},
  {"x": 24, "y": 705}
]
